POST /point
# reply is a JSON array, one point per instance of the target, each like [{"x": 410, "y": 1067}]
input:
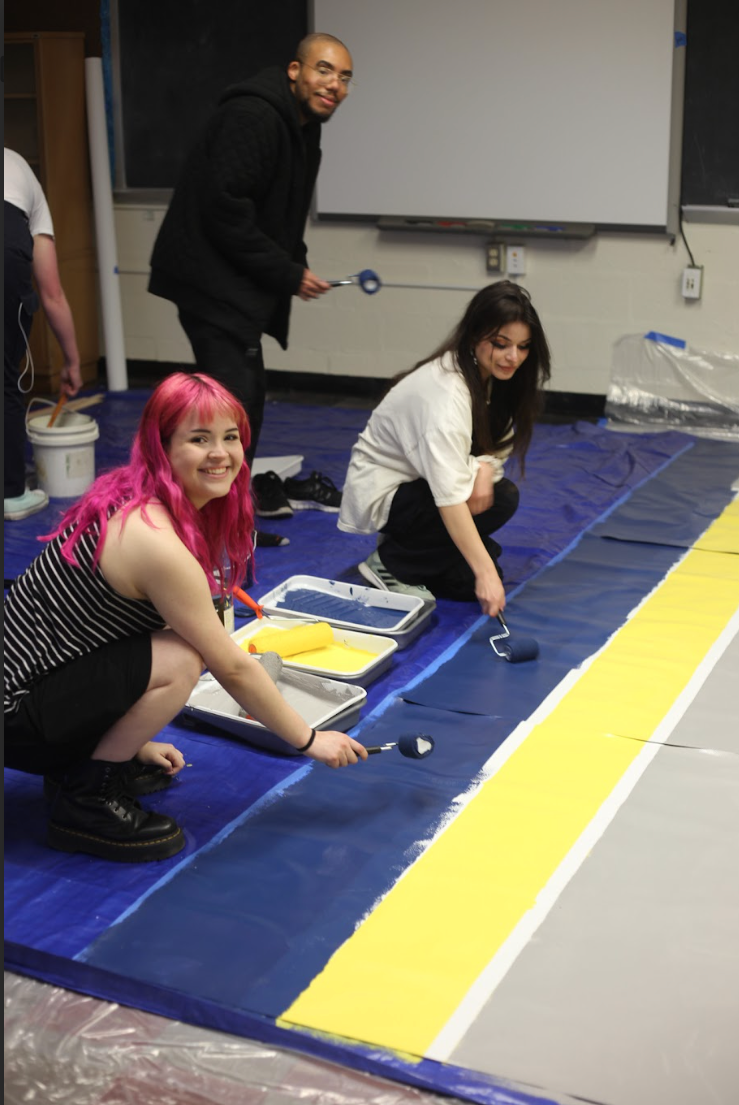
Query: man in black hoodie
[{"x": 230, "y": 251}]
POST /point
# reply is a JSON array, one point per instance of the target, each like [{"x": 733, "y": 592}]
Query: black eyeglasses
[{"x": 327, "y": 73}]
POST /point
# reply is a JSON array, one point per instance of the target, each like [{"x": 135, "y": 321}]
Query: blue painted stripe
[
  {"x": 265, "y": 800},
  {"x": 289, "y": 885}
]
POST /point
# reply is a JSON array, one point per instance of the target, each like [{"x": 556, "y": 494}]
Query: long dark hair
[{"x": 515, "y": 403}]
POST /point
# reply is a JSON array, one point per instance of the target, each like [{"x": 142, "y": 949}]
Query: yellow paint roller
[{"x": 289, "y": 642}]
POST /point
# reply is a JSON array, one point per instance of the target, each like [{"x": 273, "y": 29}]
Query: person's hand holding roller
[{"x": 311, "y": 286}]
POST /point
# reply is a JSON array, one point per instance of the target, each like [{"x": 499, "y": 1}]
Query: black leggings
[
  {"x": 416, "y": 546},
  {"x": 235, "y": 362}
]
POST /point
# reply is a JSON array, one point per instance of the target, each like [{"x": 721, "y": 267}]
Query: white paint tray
[
  {"x": 366, "y": 600},
  {"x": 382, "y": 649},
  {"x": 416, "y": 627},
  {"x": 322, "y": 703}
]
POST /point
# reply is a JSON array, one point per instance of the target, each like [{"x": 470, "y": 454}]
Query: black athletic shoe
[
  {"x": 269, "y": 495},
  {"x": 318, "y": 492},
  {"x": 137, "y": 780},
  {"x": 92, "y": 813},
  {"x": 264, "y": 540}
]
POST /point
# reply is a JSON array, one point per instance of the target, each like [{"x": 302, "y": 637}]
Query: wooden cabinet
[{"x": 46, "y": 123}]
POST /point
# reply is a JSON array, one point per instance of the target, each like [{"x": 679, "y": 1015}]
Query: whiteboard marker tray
[
  {"x": 381, "y": 648},
  {"x": 322, "y": 703},
  {"x": 347, "y": 605}
]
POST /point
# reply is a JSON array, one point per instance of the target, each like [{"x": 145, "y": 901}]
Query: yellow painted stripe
[
  {"x": 396, "y": 982},
  {"x": 723, "y": 535}
]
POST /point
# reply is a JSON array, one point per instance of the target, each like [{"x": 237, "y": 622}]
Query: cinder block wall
[{"x": 589, "y": 294}]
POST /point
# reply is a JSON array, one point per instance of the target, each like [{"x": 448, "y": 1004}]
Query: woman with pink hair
[{"x": 109, "y": 628}]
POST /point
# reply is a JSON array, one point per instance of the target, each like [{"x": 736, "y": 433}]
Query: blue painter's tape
[
  {"x": 680, "y": 38},
  {"x": 665, "y": 339}
]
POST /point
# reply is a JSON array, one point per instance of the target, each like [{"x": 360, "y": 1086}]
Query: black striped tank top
[{"x": 55, "y": 613}]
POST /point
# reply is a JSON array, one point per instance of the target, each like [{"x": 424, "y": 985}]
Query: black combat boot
[
  {"x": 93, "y": 813},
  {"x": 137, "y": 780}
]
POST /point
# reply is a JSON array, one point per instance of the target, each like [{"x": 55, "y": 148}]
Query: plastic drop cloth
[
  {"x": 657, "y": 380},
  {"x": 63, "y": 1048}
]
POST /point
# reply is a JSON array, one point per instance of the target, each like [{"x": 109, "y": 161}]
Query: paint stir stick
[{"x": 57, "y": 409}]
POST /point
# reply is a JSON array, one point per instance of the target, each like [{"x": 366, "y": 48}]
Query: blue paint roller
[
  {"x": 515, "y": 651},
  {"x": 367, "y": 279},
  {"x": 416, "y": 746}
]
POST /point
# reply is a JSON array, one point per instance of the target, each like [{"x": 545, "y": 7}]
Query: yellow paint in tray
[{"x": 311, "y": 646}]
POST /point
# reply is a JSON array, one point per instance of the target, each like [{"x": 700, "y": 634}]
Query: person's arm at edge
[
  {"x": 461, "y": 529},
  {"x": 57, "y": 310}
]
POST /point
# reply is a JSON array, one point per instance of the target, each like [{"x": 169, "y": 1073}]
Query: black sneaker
[
  {"x": 270, "y": 500},
  {"x": 318, "y": 492},
  {"x": 264, "y": 540}
]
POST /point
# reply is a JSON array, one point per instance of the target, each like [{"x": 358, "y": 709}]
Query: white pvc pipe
[{"x": 102, "y": 191}]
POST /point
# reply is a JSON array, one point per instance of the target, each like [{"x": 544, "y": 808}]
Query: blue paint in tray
[{"x": 318, "y": 604}]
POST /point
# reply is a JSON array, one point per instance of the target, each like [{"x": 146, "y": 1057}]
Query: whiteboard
[{"x": 558, "y": 110}]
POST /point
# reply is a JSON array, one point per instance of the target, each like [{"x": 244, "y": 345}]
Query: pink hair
[{"x": 220, "y": 534}]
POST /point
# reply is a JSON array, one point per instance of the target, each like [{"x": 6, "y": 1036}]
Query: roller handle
[
  {"x": 249, "y": 601},
  {"x": 407, "y": 745},
  {"x": 367, "y": 279}
]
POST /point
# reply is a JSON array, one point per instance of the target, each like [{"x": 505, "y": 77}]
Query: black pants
[
  {"x": 20, "y": 303},
  {"x": 417, "y": 548},
  {"x": 235, "y": 362}
]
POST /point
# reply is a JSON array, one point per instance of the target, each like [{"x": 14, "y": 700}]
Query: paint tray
[
  {"x": 322, "y": 703},
  {"x": 347, "y": 605},
  {"x": 382, "y": 649},
  {"x": 414, "y": 628}
]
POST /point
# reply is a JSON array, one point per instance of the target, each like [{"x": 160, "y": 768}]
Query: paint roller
[
  {"x": 515, "y": 651},
  {"x": 416, "y": 746},
  {"x": 367, "y": 279},
  {"x": 272, "y": 664},
  {"x": 289, "y": 642}
]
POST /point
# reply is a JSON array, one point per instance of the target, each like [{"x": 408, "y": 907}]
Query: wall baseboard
[{"x": 363, "y": 391}]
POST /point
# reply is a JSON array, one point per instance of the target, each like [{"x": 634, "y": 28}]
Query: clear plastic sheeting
[
  {"x": 62, "y": 1048},
  {"x": 657, "y": 380}
]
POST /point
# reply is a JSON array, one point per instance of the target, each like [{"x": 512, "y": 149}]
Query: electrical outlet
[
  {"x": 516, "y": 260},
  {"x": 496, "y": 257},
  {"x": 692, "y": 283}
]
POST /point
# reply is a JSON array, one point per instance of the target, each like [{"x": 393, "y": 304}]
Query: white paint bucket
[{"x": 65, "y": 453}]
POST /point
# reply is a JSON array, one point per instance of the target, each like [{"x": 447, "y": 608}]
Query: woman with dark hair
[
  {"x": 426, "y": 474},
  {"x": 109, "y": 628}
]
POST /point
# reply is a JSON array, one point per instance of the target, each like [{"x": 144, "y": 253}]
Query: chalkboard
[
  {"x": 175, "y": 59},
  {"x": 710, "y": 157}
]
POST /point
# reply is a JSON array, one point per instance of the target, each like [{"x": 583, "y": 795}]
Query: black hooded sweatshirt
[{"x": 230, "y": 249}]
